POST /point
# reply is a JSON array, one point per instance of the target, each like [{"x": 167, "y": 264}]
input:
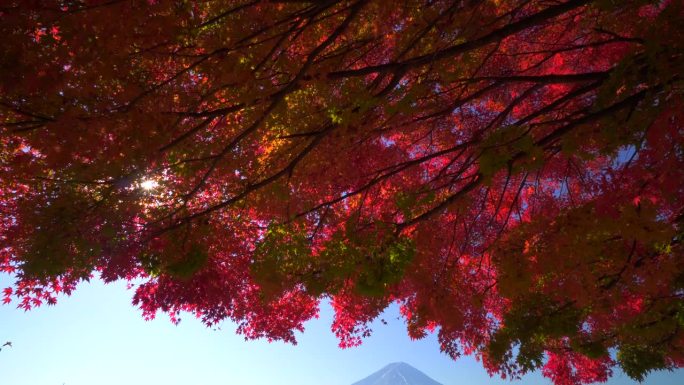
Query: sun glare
[{"x": 148, "y": 184}]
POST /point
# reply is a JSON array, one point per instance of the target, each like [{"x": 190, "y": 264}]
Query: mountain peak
[
  {"x": 397, "y": 364},
  {"x": 398, "y": 373}
]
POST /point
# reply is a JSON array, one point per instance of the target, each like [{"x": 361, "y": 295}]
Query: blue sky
[{"x": 97, "y": 337}]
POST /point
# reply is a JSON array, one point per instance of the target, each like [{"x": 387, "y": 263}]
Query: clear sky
[{"x": 96, "y": 337}]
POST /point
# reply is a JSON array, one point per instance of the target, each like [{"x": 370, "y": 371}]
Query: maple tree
[{"x": 509, "y": 172}]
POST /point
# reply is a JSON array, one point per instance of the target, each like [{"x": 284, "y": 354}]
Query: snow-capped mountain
[{"x": 398, "y": 373}]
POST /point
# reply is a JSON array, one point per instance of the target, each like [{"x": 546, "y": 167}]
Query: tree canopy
[{"x": 510, "y": 172}]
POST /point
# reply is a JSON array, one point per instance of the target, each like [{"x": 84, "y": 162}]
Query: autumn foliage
[{"x": 509, "y": 172}]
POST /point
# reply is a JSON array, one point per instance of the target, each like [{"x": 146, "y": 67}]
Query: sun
[{"x": 149, "y": 184}]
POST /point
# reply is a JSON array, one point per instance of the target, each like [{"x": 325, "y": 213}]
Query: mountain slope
[{"x": 398, "y": 373}]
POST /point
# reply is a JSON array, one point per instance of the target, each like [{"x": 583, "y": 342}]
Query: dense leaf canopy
[{"x": 509, "y": 172}]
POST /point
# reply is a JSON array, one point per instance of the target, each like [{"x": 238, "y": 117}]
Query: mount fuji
[{"x": 398, "y": 373}]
